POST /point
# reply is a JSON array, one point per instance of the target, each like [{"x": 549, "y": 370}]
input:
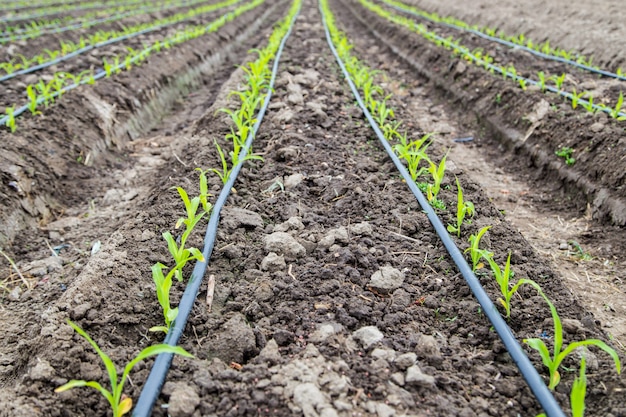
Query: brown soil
[{"x": 294, "y": 321}]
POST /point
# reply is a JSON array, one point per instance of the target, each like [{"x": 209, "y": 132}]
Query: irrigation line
[
  {"x": 510, "y": 44},
  {"x": 156, "y": 379},
  {"x": 109, "y": 42},
  {"x": 528, "y": 371},
  {"x": 84, "y": 25},
  {"x": 102, "y": 73}
]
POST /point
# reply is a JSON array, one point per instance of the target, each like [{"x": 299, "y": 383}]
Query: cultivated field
[{"x": 344, "y": 208}]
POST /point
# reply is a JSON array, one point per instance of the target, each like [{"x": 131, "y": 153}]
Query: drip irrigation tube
[
  {"x": 158, "y": 373},
  {"x": 528, "y": 371},
  {"x": 109, "y": 42},
  {"x": 510, "y": 44},
  {"x": 34, "y": 34},
  {"x": 102, "y": 73}
]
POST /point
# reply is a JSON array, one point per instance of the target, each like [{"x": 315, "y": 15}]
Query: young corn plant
[
  {"x": 476, "y": 253},
  {"x": 180, "y": 254},
  {"x": 413, "y": 152},
  {"x": 615, "y": 112},
  {"x": 463, "y": 208},
  {"x": 120, "y": 404},
  {"x": 10, "y": 122},
  {"x": 437, "y": 172},
  {"x": 553, "y": 360},
  {"x": 579, "y": 391}
]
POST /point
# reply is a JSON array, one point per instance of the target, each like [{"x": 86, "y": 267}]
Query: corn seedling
[
  {"x": 10, "y": 122},
  {"x": 566, "y": 153},
  {"x": 558, "y": 81},
  {"x": 474, "y": 249},
  {"x": 554, "y": 360},
  {"x": 575, "y": 97},
  {"x": 120, "y": 404},
  {"x": 615, "y": 112},
  {"x": 503, "y": 278},
  {"x": 463, "y": 208},
  {"x": 413, "y": 152},
  {"x": 437, "y": 172},
  {"x": 579, "y": 390},
  {"x": 542, "y": 80}
]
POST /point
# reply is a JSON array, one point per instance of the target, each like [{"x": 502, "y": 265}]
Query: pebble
[
  {"x": 406, "y": 360},
  {"x": 415, "y": 376},
  {"x": 387, "y": 279},
  {"x": 293, "y": 181},
  {"x": 183, "y": 401},
  {"x": 368, "y": 336},
  {"x": 273, "y": 262},
  {"x": 281, "y": 242}
]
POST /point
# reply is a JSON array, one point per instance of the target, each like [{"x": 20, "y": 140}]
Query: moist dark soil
[{"x": 297, "y": 324}]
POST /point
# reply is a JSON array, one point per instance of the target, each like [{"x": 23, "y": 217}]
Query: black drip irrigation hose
[
  {"x": 100, "y": 45},
  {"x": 158, "y": 373},
  {"x": 528, "y": 371},
  {"x": 511, "y": 44},
  {"x": 99, "y": 75}
]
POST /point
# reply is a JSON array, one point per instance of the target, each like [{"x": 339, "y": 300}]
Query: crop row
[
  {"x": 414, "y": 154},
  {"x": 25, "y": 4},
  {"x": 35, "y": 29},
  {"x": 517, "y": 41},
  {"x": 46, "y": 93},
  {"x": 196, "y": 208},
  {"x": 68, "y": 49},
  {"x": 482, "y": 59},
  {"x": 46, "y": 11}
]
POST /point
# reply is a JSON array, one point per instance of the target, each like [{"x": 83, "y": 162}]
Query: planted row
[
  {"x": 417, "y": 163},
  {"x": 43, "y": 93},
  {"x": 486, "y": 61},
  {"x": 23, "y": 65},
  {"x": 520, "y": 40},
  {"x": 34, "y": 29},
  {"x": 196, "y": 209}
]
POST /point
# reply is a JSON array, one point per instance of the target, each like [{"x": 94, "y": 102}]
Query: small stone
[
  {"x": 309, "y": 398},
  {"x": 362, "y": 229},
  {"x": 270, "y": 353},
  {"x": 596, "y": 127},
  {"x": 42, "y": 371},
  {"x": 273, "y": 262},
  {"x": 387, "y": 279},
  {"x": 15, "y": 293},
  {"x": 414, "y": 376},
  {"x": 323, "y": 332},
  {"x": 383, "y": 410},
  {"x": 563, "y": 246},
  {"x": 386, "y": 354},
  {"x": 340, "y": 234},
  {"x": 293, "y": 181},
  {"x": 147, "y": 235},
  {"x": 183, "y": 401},
  {"x": 397, "y": 378},
  {"x": 283, "y": 337},
  {"x": 235, "y": 217},
  {"x": 368, "y": 336},
  {"x": 326, "y": 242},
  {"x": 428, "y": 346},
  {"x": 281, "y": 242},
  {"x": 406, "y": 360}
]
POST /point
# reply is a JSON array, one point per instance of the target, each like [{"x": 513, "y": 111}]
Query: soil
[{"x": 300, "y": 326}]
